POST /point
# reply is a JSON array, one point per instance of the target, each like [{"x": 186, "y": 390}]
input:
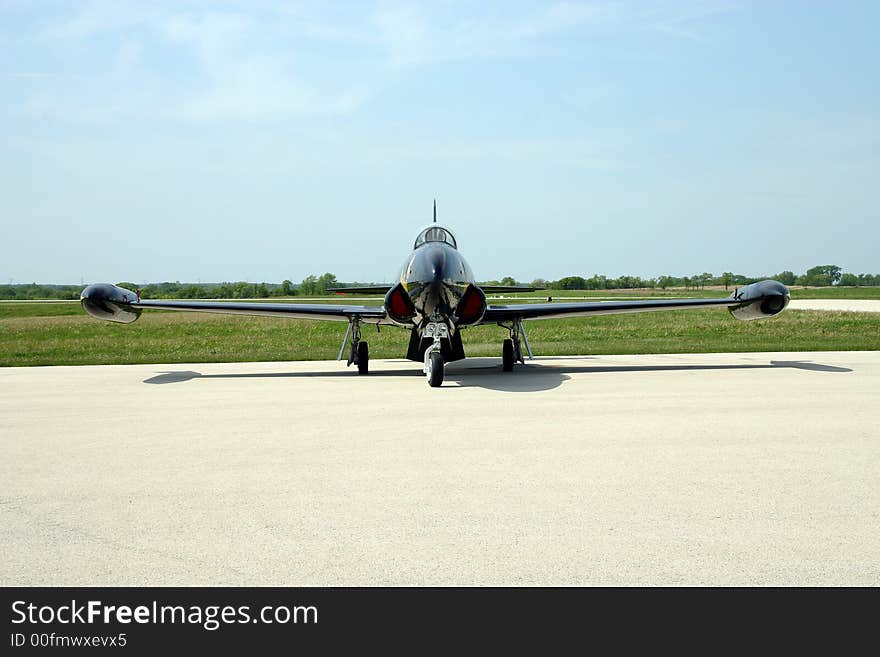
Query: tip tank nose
[{"x": 111, "y": 303}]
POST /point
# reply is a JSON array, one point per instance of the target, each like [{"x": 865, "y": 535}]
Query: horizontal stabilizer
[
  {"x": 505, "y": 289},
  {"x": 361, "y": 289}
]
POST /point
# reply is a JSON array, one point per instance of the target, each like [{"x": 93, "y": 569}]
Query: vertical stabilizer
[{"x": 435, "y": 211}]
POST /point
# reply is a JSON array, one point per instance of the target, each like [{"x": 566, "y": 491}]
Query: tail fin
[{"x": 435, "y": 211}]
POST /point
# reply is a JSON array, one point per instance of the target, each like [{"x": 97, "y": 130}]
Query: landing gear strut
[
  {"x": 511, "y": 349},
  {"x": 360, "y": 352},
  {"x": 434, "y": 366}
]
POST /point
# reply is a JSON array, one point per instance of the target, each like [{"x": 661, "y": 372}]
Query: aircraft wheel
[
  {"x": 363, "y": 358},
  {"x": 435, "y": 375},
  {"x": 507, "y": 355}
]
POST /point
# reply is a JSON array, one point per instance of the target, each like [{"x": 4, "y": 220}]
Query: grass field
[{"x": 61, "y": 334}]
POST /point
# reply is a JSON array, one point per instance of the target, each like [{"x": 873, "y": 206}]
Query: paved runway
[
  {"x": 846, "y": 305},
  {"x": 674, "y": 469}
]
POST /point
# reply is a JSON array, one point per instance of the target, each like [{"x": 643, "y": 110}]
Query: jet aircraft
[{"x": 435, "y": 298}]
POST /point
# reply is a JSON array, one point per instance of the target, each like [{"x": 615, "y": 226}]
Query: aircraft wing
[
  {"x": 541, "y": 310},
  {"x": 754, "y": 301},
  {"x": 505, "y": 289},
  {"x": 117, "y": 304}
]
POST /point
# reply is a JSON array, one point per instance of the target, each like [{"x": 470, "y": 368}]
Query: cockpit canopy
[{"x": 435, "y": 233}]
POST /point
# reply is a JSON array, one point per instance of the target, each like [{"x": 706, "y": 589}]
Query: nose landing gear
[
  {"x": 434, "y": 369},
  {"x": 434, "y": 365}
]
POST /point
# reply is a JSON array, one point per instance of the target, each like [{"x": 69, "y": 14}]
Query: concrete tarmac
[
  {"x": 839, "y": 305},
  {"x": 757, "y": 468}
]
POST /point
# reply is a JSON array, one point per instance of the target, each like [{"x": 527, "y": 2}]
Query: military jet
[{"x": 435, "y": 298}]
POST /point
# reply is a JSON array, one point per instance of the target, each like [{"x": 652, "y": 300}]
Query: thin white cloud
[
  {"x": 577, "y": 153},
  {"x": 251, "y": 61},
  {"x": 29, "y": 75}
]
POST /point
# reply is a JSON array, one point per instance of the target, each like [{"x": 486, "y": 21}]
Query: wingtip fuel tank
[
  {"x": 760, "y": 300},
  {"x": 110, "y": 303}
]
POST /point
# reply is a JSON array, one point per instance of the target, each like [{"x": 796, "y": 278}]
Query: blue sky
[{"x": 149, "y": 141}]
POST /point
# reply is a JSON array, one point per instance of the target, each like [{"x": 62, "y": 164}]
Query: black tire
[
  {"x": 435, "y": 378},
  {"x": 507, "y": 355},
  {"x": 363, "y": 358}
]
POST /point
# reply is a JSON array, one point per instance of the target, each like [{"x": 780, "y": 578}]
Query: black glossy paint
[
  {"x": 433, "y": 281},
  {"x": 759, "y": 300},
  {"x": 436, "y": 276},
  {"x": 105, "y": 301},
  {"x": 109, "y": 302},
  {"x": 756, "y": 301}
]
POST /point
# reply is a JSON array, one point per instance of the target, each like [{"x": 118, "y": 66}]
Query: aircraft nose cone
[{"x": 437, "y": 266}]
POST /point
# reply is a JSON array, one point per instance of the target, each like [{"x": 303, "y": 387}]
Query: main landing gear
[
  {"x": 360, "y": 352},
  {"x": 507, "y": 357},
  {"x": 434, "y": 366},
  {"x": 511, "y": 349}
]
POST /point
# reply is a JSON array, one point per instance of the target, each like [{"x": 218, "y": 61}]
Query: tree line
[
  {"x": 819, "y": 276},
  {"x": 312, "y": 285}
]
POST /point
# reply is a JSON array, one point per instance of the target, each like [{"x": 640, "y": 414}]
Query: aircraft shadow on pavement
[{"x": 486, "y": 373}]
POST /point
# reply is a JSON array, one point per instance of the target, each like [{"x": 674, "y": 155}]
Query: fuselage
[{"x": 436, "y": 278}]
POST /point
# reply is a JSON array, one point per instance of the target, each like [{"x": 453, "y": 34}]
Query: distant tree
[
  {"x": 572, "y": 283},
  {"x": 33, "y": 291},
  {"x": 786, "y": 277},
  {"x": 597, "y": 282},
  {"x": 168, "y": 290},
  {"x": 628, "y": 282},
  {"x": 325, "y": 281},
  {"x": 191, "y": 292},
  {"x": 665, "y": 281},
  {"x": 822, "y": 275},
  {"x": 261, "y": 291},
  {"x": 243, "y": 290},
  {"x": 539, "y": 282},
  {"x": 509, "y": 281},
  {"x": 309, "y": 286},
  {"x": 726, "y": 279},
  {"x": 286, "y": 288}
]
